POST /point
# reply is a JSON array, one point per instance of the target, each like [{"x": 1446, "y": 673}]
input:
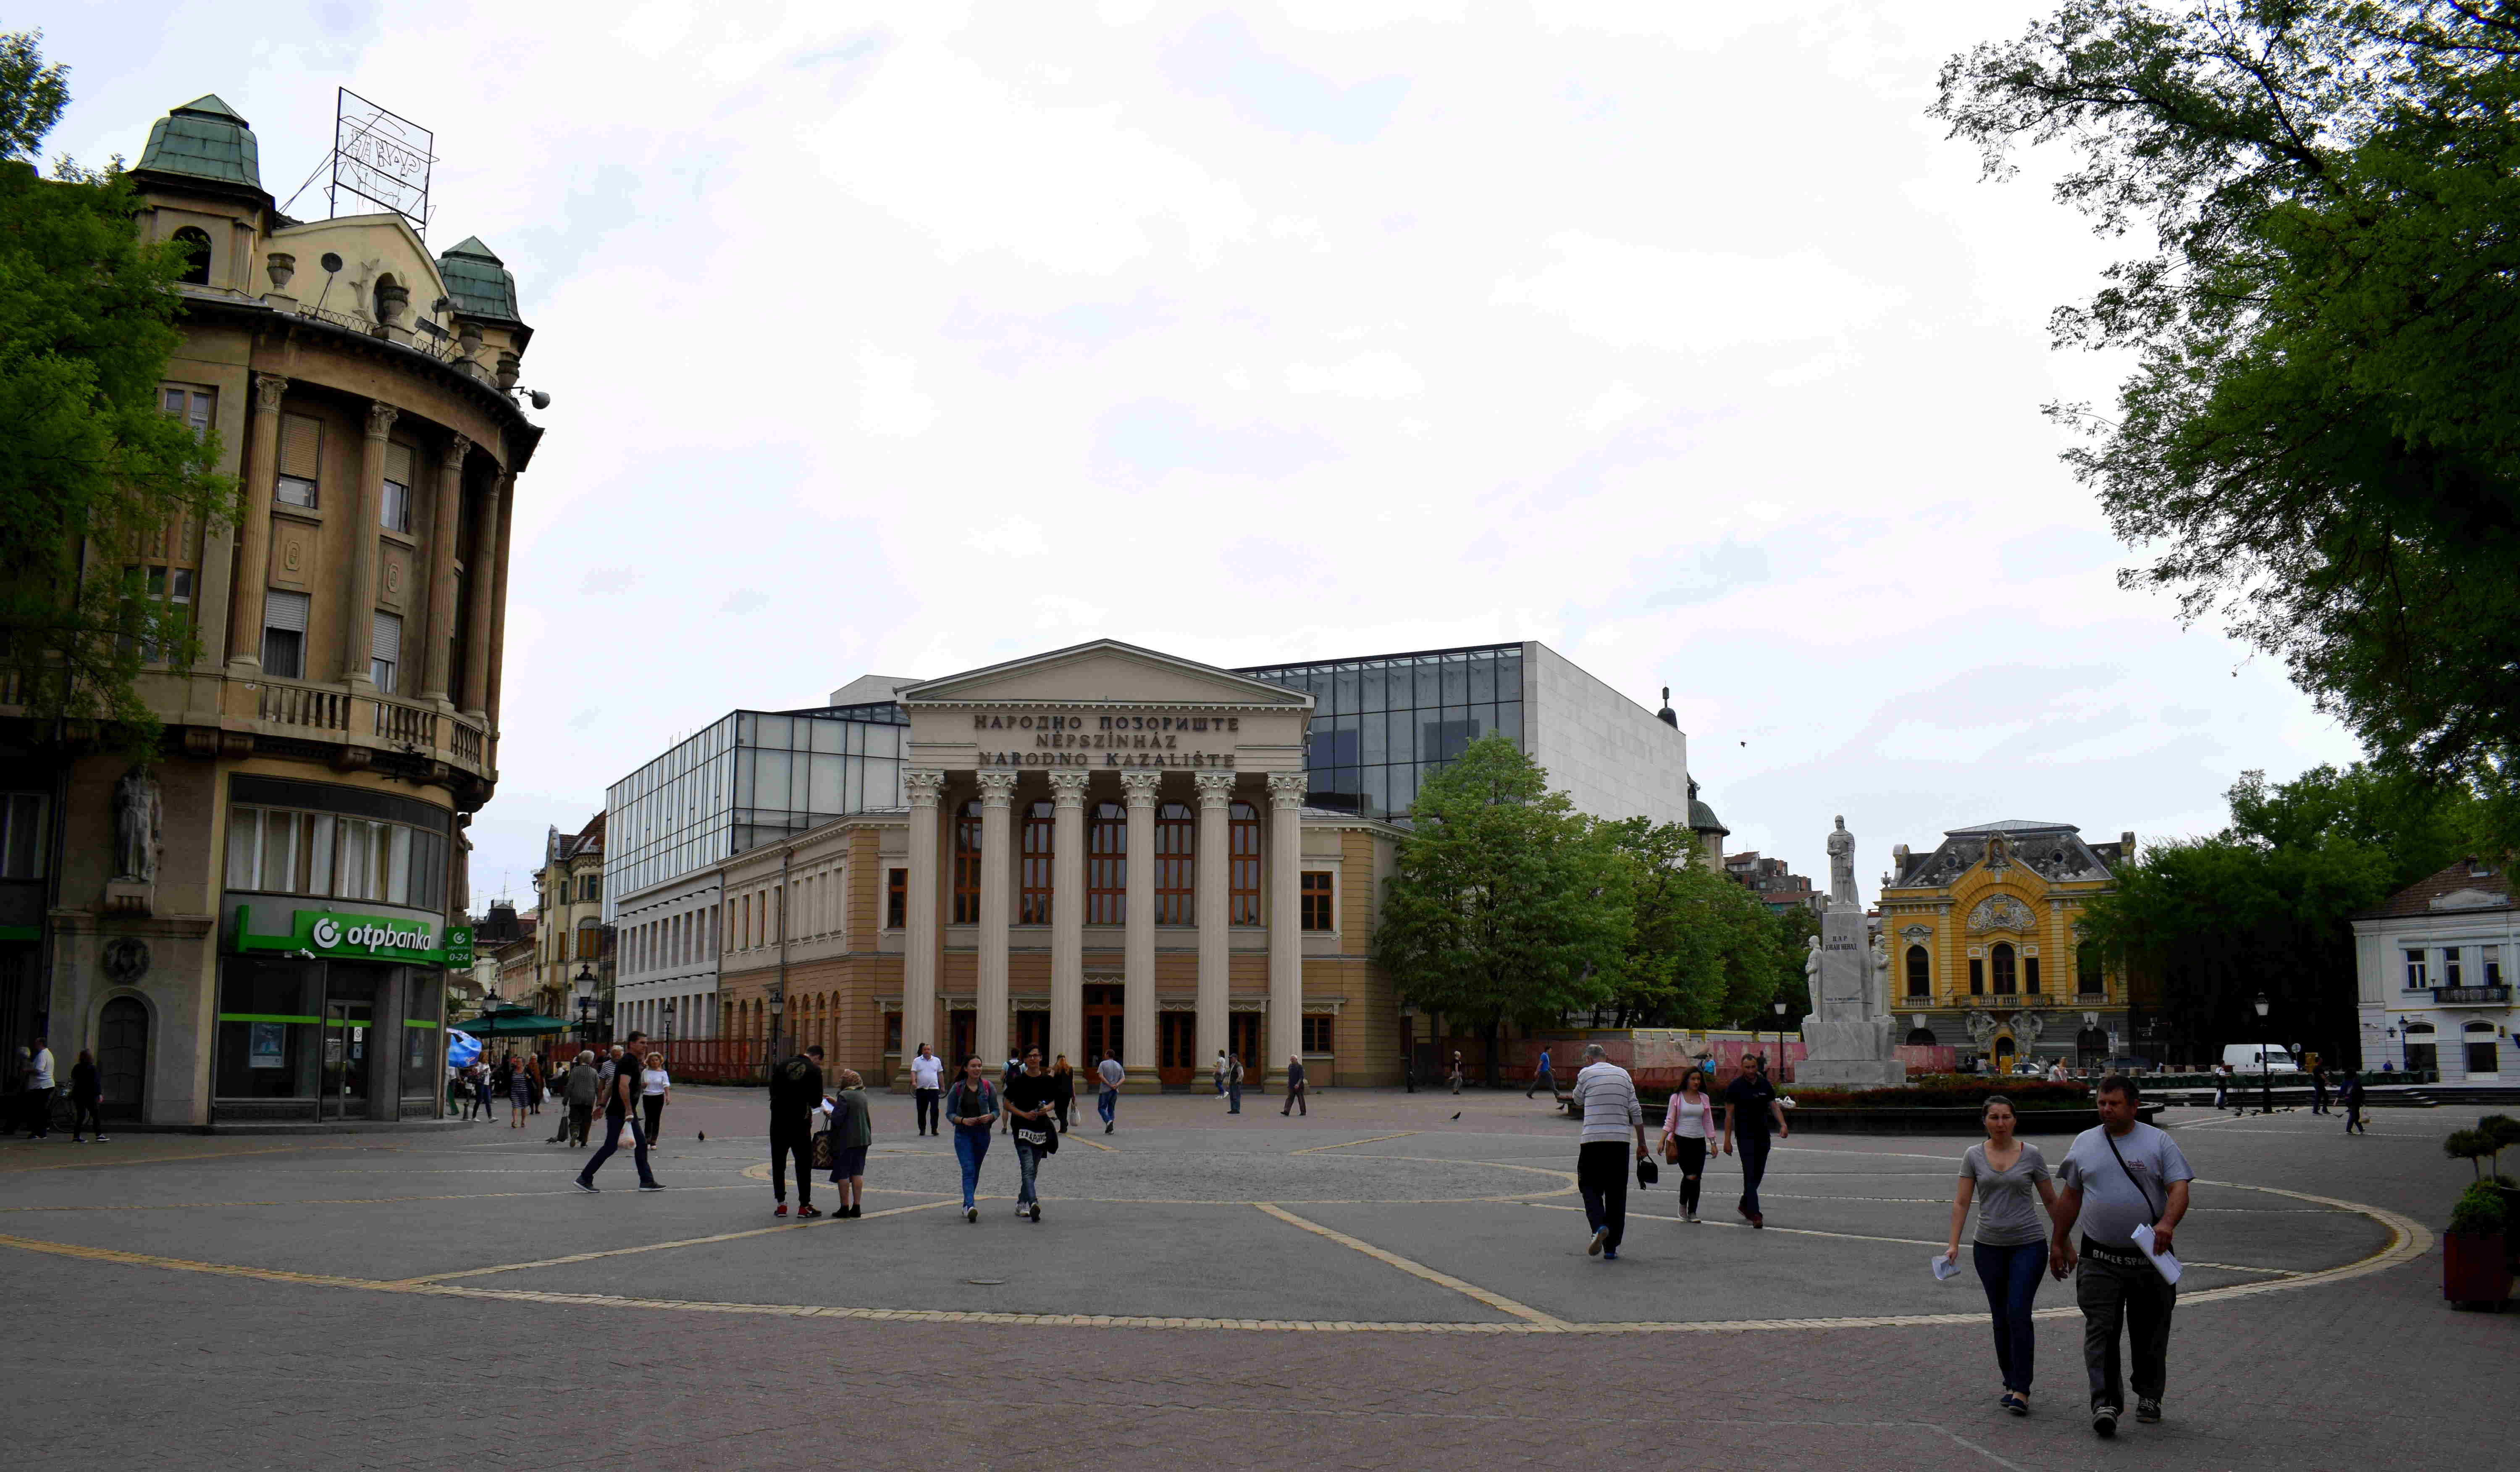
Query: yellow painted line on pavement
[
  {"x": 1496, "y": 1300},
  {"x": 159, "y": 1160},
  {"x": 1368, "y": 1141},
  {"x": 193, "y": 1206},
  {"x": 623, "y": 1251}
]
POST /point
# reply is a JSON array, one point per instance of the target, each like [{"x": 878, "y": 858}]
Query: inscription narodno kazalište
[{"x": 1113, "y": 741}]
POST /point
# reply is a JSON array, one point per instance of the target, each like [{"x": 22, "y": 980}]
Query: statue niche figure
[{"x": 138, "y": 818}]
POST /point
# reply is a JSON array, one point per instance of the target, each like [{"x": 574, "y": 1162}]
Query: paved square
[{"x": 1381, "y": 1284}]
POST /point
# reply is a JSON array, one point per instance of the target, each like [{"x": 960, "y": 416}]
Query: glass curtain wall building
[
  {"x": 1384, "y": 721},
  {"x": 750, "y": 778}
]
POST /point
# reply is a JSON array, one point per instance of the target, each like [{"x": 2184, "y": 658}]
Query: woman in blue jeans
[
  {"x": 971, "y": 1108},
  {"x": 2002, "y": 1174}
]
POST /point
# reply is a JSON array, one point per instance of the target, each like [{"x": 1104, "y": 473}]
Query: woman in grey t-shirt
[{"x": 2011, "y": 1244}]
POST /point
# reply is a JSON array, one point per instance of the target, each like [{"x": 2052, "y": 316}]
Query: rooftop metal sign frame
[{"x": 381, "y": 158}]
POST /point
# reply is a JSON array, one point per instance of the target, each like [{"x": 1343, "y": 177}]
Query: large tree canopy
[
  {"x": 1702, "y": 952},
  {"x": 91, "y": 472},
  {"x": 2322, "y": 435}
]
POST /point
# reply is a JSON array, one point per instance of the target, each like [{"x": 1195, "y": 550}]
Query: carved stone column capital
[
  {"x": 924, "y": 786},
  {"x": 1067, "y": 789},
  {"x": 457, "y": 451},
  {"x": 1140, "y": 787},
  {"x": 1287, "y": 789},
  {"x": 380, "y": 418},
  {"x": 268, "y": 391},
  {"x": 995, "y": 788},
  {"x": 1215, "y": 789}
]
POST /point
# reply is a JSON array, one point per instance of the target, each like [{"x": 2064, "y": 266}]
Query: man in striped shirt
[{"x": 1612, "y": 1115}]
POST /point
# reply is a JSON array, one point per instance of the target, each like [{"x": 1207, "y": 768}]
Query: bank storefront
[{"x": 333, "y": 953}]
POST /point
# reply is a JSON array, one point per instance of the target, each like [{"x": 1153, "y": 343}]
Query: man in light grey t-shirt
[
  {"x": 1107, "y": 1103},
  {"x": 2117, "y": 1178}
]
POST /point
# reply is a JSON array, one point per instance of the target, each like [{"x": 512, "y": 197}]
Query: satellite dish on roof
[{"x": 331, "y": 261}]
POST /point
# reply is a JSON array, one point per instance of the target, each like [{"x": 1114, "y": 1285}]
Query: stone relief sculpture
[
  {"x": 2000, "y": 912},
  {"x": 138, "y": 822}
]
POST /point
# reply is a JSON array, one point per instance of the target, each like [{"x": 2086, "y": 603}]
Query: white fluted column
[
  {"x": 997, "y": 880},
  {"x": 1067, "y": 918},
  {"x": 1138, "y": 954},
  {"x": 1285, "y": 919},
  {"x": 918, "y": 931},
  {"x": 1215, "y": 873}
]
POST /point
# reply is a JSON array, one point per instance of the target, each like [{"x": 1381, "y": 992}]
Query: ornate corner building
[
  {"x": 1985, "y": 950},
  {"x": 257, "y": 925}
]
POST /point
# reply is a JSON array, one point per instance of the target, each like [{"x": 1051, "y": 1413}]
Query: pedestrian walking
[
  {"x": 2349, "y": 1094},
  {"x": 852, "y": 1131},
  {"x": 1688, "y": 1128},
  {"x": 971, "y": 1104},
  {"x": 927, "y": 1086},
  {"x": 2221, "y": 1085},
  {"x": 620, "y": 1117},
  {"x": 655, "y": 1089},
  {"x": 2010, "y": 1247},
  {"x": 1233, "y": 1084},
  {"x": 1542, "y": 1078},
  {"x": 1608, "y": 1098},
  {"x": 2120, "y": 1175},
  {"x": 582, "y": 1089},
  {"x": 1750, "y": 1110},
  {"x": 1219, "y": 1071},
  {"x": 537, "y": 1073},
  {"x": 1062, "y": 1091},
  {"x": 521, "y": 1086},
  {"x": 1295, "y": 1087},
  {"x": 1029, "y": 1107},
  {"x": 795, "y": 1088},
  {"x": 87, "y": 1100},
  {"x": 1458, "y": 1077},
  {"x": 480, "y": 1107},
  {"x": 1107, "y": 1102},
  {"x": 35, "y": 1100},
  {"x": 2318, "y": 1088}
]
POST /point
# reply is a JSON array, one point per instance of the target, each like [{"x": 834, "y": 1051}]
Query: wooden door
[
  {"x": 1102, "y": 1026},
  {"x": 1242, "y": 1035},
  {"x": 1032, "y": 1031},
  {"x": 1177, "y": 1048},
  {"x": 964, "y": 1028}
]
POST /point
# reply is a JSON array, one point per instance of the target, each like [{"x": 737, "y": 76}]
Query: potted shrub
[{"x": 2475, "y": 1268}]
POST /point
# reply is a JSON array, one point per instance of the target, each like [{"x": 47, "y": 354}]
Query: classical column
[
  {"x": 507, "y": 499},
  {"x": 1215, "y": 871},
  {"x": 480, "y": 621},
  {"x": 997, "y": 876},
  {"x": 254, "y": 528},
  {"x": 441, "y": 573},
  {"x": 1068, "y": 918},
  {"x": 1285, "y": 919},
  {"x": 919, "y": 934},
  {"x": 1137, "y": 969},
  {"x": 359, "y": 615}
]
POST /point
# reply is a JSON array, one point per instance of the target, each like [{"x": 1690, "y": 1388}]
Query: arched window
[
  {"x": 196, "y": 246},
  {"x": 1920, "y": 978},
  {"x": 1107, "y": 866},
  {"x": 2005, "y": 982},
  {"x": 1176, "y": 864},
  {"x": 966, "y": 864},
  {"x": 1242, "y": 898},
  {"x": 1920, "y": 1038},
  {"x": 1033, "y": 898}
]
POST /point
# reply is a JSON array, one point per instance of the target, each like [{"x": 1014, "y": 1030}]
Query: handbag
[
  {"x": 1647, "y": 1173},
  {"x": 821, "y": 1149},
  {"x": 1670, "y": 1150}
]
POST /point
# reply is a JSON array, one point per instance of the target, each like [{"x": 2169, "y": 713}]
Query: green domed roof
[
  {"x": 477, "y": 282},
  {"x": 1702, "y": 818},
  {"x": 205, "y": 139}
]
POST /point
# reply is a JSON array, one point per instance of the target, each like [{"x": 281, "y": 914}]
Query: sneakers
[
  {"x": 102, "y": 1140},
  {"x": 1107, "y": 1129},
  {"x": 2015, "y": 1401},
  {"x": 971, "y": 1214},
  {"x": 1610, "y": 1255},
  {"x": 1688, "y": 1217},
  {"x": 1600, "y": 1237},
  {"x": 1036, "y": 1212},
  {"x": 2148, "y": 1409},
  {"x": 808, "y": 1212},
  {"x": 781, "y": 1210},
  {"x": 2104, "y": 1420},
  {"x": 585, "y": 1186}
]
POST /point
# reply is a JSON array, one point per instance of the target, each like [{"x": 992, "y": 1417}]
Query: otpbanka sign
[
  {"x": 1171, "y": 738},
  {"x": 377, "y": 938}
]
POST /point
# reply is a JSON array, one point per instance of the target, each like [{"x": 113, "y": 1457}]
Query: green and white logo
[{"x": 325, "y": 934}]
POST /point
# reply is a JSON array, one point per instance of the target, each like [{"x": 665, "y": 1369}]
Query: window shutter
[
  {"x": 301, "y": 445},
  {"x": 284, "y": 611},
  {"x": 398, "y": 464},
  {"x": 385, "y": 643}
]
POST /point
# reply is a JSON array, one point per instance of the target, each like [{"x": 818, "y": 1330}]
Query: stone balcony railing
[
  {"x": 2498, "y": 995},
  {"x": 365, "y": 726}
]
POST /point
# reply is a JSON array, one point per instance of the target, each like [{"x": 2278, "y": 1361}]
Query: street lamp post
[
  {"x": 2266, "y": 1076},
  {"x": 584, "y": 982},
  {"x": 1780, "y": 1039},
  {"x": 778, "y": 1005},
  {"x": 668, "y": 1009}
]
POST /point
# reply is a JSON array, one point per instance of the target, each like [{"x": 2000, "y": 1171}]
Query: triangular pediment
[{"x": 1104, "y": 671}]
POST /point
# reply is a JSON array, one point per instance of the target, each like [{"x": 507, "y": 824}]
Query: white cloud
[
  {"x": 1367, "y": 375},
  {"x": 889, "y": 402}
]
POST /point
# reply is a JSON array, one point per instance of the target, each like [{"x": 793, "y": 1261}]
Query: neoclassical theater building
[{"x": 1097, "y": 848}]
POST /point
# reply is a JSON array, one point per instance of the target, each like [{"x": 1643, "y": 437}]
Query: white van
[{"x": 2243, "y": 1058}]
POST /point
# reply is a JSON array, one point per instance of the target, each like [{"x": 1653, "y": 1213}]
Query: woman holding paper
[{"x": 2010, "y": 1247}]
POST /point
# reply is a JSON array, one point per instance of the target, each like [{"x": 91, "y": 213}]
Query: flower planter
[{"x": 2474, "y": 1269}]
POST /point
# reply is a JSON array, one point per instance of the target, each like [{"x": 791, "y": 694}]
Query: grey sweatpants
[{"x": 2133, "y": 1297}]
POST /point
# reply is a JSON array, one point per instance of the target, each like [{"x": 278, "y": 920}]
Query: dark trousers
[
  {"x": 84, "y": 1116},
  {"x": 613, "y": 1125},
  {"x": 2354, "y": 1120},
  {"x": 580, "y": 1116},
  {"x": 925, "y": 1101},
  {"x": 1233, "y": 1097},
  {"x": 1295, "y": 1100},
  {"x": 2011, "y": 1278},
  {"x": 2319, "y": 1098},
  {"x": 798, "y": 1142},
  {"x": 1752, "y": 1148},
  {"x": 1693, "y": 1169},
  {"x": 654, "y": 1104},
  {"x": 1540, "y": 1080},
  {"x": 2128, "y": 1296},
  {"x": 1601, "y": 1173}
]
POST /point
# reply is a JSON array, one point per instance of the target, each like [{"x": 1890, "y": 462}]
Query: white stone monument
[{"x": 1846, "y": 1040}]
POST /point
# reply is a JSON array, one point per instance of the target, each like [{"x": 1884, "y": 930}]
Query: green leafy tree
[
  {"x": 2321, "y": 432},
  {"x": 1503, "y": 902},
  {"x": 90, "y": 470}
]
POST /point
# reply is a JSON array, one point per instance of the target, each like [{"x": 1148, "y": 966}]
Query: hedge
[{"x": 1948, "y": 1091}]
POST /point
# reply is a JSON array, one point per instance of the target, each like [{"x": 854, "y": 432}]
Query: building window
[
  {"x": 966, "y": 864},
  {"x": 1977, "y": 976},
  {"x": 1315, "y": 890},
  {"x": 171, "y": 589},
  {"x": 281, "y": 851},
  {"x": 2029, "y": 974},
  {"x": 2416, "y": 977},
  {"x": 2004, "y": 983},
  {"x": 197, "y": 252},
  {"x": 393, "y": 505},
  {"x": 1176, "y": 864},
  {"x": 896, "y": 898},
  {"x": 591, "y": 887},
  {"x": 590, "y": 939},
  {"x": 2484, "y": 1055},
  {"x": 384, "y": 650},
  {"x": 2449, "y": 966},
  {"x": 1039, "y": 837},
  {"x": 2087, "y": 968},
  {"x": 1243, "y": 894},
  {"x": 1107, "y": 866},
  {"x": 24, "y": 838},
  {"x": 191, "y": 405},
  {"x": 2420, "y": 1052},
  {"x": 301, "y": 461},
  {"x": 1919, "y": 977},
  {"x": 2492, "y": 965},
  {"x": 1321, "y": 1034},
  {"x": 283, "y": 635}
]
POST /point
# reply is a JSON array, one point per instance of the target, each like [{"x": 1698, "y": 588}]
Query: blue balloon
[{"x": 462, "y": 1049}]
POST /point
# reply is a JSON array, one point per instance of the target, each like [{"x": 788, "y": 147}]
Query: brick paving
[{"x": 281, "y": 1371}]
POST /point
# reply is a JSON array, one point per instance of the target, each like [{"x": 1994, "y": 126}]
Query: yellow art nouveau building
[{"x": 1985, "y": 950}]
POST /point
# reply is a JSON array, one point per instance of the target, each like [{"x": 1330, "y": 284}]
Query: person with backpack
[
  {"x": 796, "y": 1089},
  {"x": 971, "y": 1108},
  {"x": 1031, "y": 1105}
]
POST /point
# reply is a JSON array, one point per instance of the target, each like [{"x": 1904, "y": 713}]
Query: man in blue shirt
[{"x": 1542, "y": 1078}]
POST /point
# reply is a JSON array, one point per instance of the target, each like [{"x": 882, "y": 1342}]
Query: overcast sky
[{"x": 911, "y": 337}]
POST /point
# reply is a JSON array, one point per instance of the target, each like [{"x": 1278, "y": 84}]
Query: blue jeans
[
  {"x": 2011, "y": 1278},
  {"x": 1107, "y": 1104},
  {"x": 1233, "y": 1093},
  {"x": 1752, "y": 1148},
  {"x": 971, "y": 1147},
  {"x": 612, "y": 1142},
  {"x": 1029, "y": 1161}
]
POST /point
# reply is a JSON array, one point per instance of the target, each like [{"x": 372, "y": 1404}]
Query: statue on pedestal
[{"x": 1847, "y": 1040}]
